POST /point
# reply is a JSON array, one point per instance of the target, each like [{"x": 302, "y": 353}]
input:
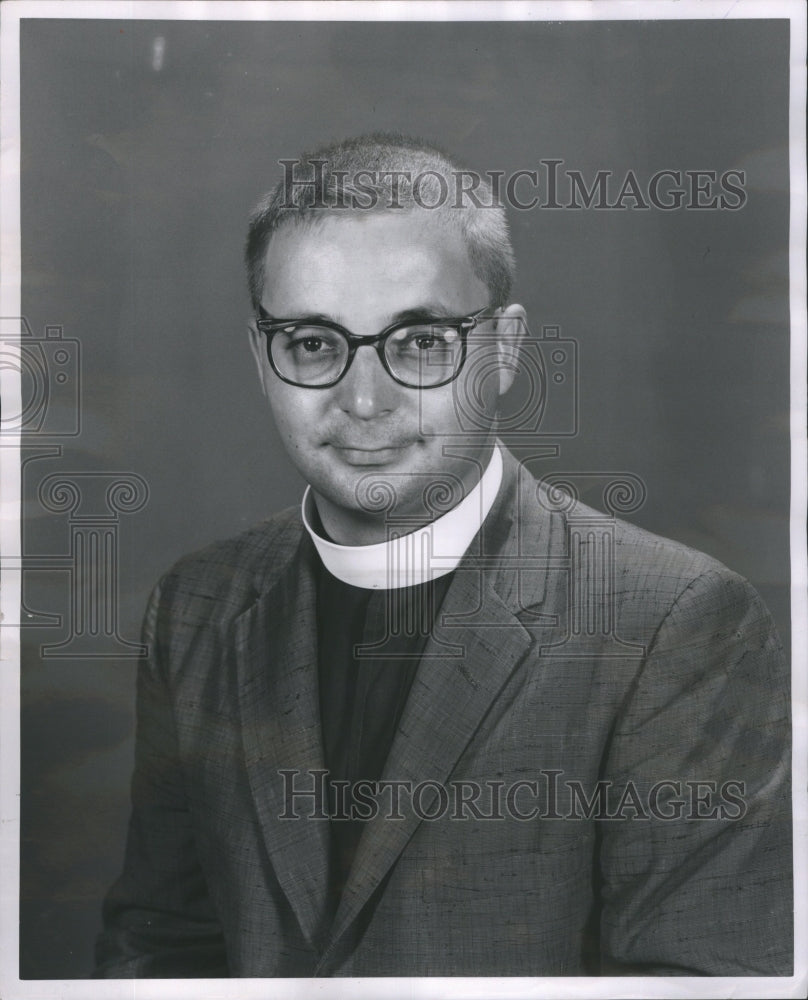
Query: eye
[
  {"x": 425, "y": 338},
  {"x": 312, "y": 340},
  {"x": 309, "y": 344}
]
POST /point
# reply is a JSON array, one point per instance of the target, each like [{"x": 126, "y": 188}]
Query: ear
[
  {"x": 511, "y": 329},
  {"x": 258, "y": 349}
]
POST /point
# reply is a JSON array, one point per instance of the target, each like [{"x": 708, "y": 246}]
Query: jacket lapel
[{"x": 276, "y": 651}]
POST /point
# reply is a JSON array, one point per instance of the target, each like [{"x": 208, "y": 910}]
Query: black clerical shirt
[{"x": 369, "y": 646}]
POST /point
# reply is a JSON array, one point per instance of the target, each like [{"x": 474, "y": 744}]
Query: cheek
[
  {"x": 294, "y": 414},
  {"x": 438, "y": 414},
  {"x": 473, "y": 401}
]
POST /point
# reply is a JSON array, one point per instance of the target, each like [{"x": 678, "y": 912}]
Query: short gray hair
[{"x": 399, "y": 174}]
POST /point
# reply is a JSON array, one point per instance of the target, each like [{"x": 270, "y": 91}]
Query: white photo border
[{"x": 11, "y": 13}]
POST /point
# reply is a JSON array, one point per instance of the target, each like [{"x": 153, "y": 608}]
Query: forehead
[{"x": 357, "y": 262}]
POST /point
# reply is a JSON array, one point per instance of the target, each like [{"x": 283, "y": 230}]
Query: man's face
[{"x": 364, "y": 272}]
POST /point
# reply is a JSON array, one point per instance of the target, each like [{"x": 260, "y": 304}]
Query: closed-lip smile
[{"x": 363, "y": 455}]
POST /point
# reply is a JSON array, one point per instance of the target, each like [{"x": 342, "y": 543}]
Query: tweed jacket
[{"x": 597, "y": 736}]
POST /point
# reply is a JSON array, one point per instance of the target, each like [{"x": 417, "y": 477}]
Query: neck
[{"x": 350, "y": 527}]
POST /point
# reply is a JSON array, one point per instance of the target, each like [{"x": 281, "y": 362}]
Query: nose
[{"x": 367, "y": 391}]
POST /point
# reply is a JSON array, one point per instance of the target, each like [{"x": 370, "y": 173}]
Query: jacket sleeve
[
  {"x": 158, "y": 918},
  {"x": 701, "y": 885}
]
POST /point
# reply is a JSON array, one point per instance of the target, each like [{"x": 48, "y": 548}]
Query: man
[{"x": 441, "y": 720}]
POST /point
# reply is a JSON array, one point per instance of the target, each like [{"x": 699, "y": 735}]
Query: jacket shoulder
[
  {"x": 643, "y": 550},
  {"x": 635, "y": 550},
  {"x": 643, "y": 572},
  {"x": 223, "y": 578}
]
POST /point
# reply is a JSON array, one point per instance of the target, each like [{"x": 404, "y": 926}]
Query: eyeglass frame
[{"x": 269, "y": 327}]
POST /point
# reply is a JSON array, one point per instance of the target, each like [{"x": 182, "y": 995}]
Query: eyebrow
[
  {"x": 430, "y": 310},
  {"x": 416, "y": 314}
]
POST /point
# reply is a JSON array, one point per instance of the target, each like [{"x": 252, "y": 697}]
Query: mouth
[{"x": 363, "y": 455}]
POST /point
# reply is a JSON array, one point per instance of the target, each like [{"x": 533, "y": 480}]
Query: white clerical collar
[{"x": 418, "y": 557}]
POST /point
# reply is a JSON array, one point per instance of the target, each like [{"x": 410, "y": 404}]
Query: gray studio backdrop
[{"x": 144, "y": 146}]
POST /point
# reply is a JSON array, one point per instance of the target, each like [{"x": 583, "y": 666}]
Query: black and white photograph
[{"x": 403, "y": 461}]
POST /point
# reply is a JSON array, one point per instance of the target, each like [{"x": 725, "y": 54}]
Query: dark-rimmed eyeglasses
[{"x": 314, "y": 353}]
